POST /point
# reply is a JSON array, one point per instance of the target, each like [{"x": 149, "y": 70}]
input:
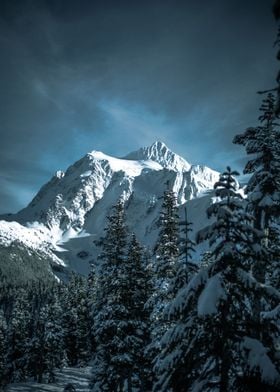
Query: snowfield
[{"x": 79, "y": 377}]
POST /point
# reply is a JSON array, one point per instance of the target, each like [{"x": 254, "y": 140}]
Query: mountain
[
  {"x": 69, "y": 212},
  {"x": 160, "y": 153}
]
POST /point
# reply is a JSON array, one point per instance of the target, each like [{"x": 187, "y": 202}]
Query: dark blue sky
[{"x": 116, "y": 75}]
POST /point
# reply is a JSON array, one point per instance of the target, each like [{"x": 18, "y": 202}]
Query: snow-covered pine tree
[
  {"x": 91, "y": 300},
  {"x": 76, "y": 321},
  {"x": 240, "y": 248},
  {"x": 213, "y": 346},
  {"x": 263, "y": 188},
  {"x": 166, "y": 264},
  {"x": 83, "y": 340},
  {"x": 120, "y": 328},
  {"x": 106, "y": 375},
  {"x": 18, "y": 337},
  {"x": 38, "y": 295},
  {"x": 167, "y": 247},
  {"x": 185, "y": 268},
  {"x": 54, "y": 350},
  {"x": 276, "y": 13},
  {"x": 3, "y": 350},
  {"x": 69, "y": 320},
  {"x": 36, "y": 347},
  {"x": 184, "y": 271},
  {"x": 273, "y": 275},
  {"x": 137, "y": 286}
]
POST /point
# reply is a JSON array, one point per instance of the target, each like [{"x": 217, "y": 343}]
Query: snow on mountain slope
[
  {"x": 64, "y": 201},
  {"x": 77, "y": 201},
  {"x": 160, "y": 153},
  {"x": 37, "y": 238}
]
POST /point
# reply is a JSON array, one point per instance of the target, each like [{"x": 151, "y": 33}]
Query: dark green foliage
[
  {"x": 167, "y": 248},
  {"x": 76, "y": 322},
  {"x": 165, "y": 276},
  {"x": 53, "y": 345},
  {"x": 171, "y": 348},
  {"x": 3, "y": 350},
  {"x": 213, "y": 344},
  {"x": 120, "y": 321},
  {"x": 33, "y": 329},
  {"x": 19, "y": 265},
  {"x": 167, "y": 253},
  {"x": 264, "y": 185}
]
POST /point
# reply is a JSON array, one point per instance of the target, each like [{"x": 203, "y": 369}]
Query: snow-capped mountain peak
[
  {"x": 77, "y": 201},
  {"x": 161, "y": 154},
  {"x": 130, "y": 167}
]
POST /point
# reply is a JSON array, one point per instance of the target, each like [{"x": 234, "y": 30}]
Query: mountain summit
[
  {"x": 70, "y": 210},
  {"x": 161, "y": 154}
]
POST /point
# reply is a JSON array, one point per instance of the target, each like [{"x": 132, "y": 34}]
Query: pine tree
[
  {"x": 76, "y": 321},
  {"x": 167, "y": 248},
  {"x": 276, "y": 13},
  {"x": 112, "y": 365},
  {"x": 31, "y": 340},
  {"x": 166, "y": 264},
  {"x": 137, "y": 288},
  {"x": 213, "y": 346},
  {"x": 3, "y": 350},
  {"x": 91, "y": 301},
  {"x": 36, "y": 347},
  {"x": 239, "y": 249},
  {"x": 18, "y": 338},
  {"x": 185, "y": 270},
  {"x": 165, "y": 269},
  {"x": 83, "y": 340},
  {"x": 263, "y": 191},
  {"x": 69, "y": 320},
  {"x": 54, "y": 350},
  {"x": 263, "y": 188},
  {"x": 121, "y": 322}
]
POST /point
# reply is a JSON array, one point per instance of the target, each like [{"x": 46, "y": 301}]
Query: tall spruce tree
[
  {"x": 54, "y": 348},
  {"x": 120, "y": 323},
  {"x": 137, "y": 286},
  {"x": 83, "y": 341},
  {"x": 263, "y": 190},
  {"x": 91, "y": 301},
  {"x": 263, "y": 143},
  {"x": 184, "y": 271},
  {"x": 36, "y": 348},
  {"x": 18, "y": 337},
  {"x": 3, "y": 350},
  {"x": 213, "y": 346},
  {"x": 185, "y": 268},
  {"x": 76, "y": 321},
  {"x": 166, "y": 264},
  {"x": 69, "y": 321}
]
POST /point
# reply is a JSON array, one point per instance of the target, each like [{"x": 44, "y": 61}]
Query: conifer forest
[{"x": 167, "y": 319}]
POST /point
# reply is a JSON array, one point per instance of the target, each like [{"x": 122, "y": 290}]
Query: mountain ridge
[{"x": 70, "y": 210}]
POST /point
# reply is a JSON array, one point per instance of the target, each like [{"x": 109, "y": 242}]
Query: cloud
[
  {"x": 15, "y": 195},
  {"x": 77, "y": 76},
  {"x": 135, "y": 124}
]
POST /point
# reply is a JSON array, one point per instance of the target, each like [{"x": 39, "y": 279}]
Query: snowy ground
[{"x": 79, "y": 377}]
